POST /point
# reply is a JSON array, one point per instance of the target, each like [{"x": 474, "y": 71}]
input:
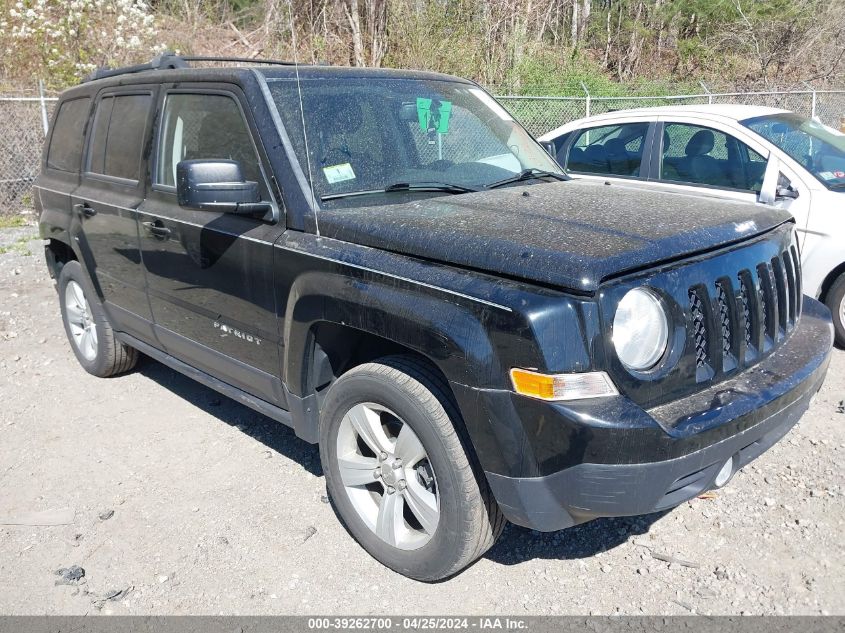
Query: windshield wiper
[
  {"x": 527, "y": 174},
  {"x": 403, "y": 186}
]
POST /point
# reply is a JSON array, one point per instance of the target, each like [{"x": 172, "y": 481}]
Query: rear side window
[
  {"x": 119, "y": 134},
  {"x": 613, "y": 150},
  {"x": 65, "y": 151}
]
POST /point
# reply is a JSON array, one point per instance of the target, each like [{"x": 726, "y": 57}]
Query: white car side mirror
[{"x": 769, "y": 190}]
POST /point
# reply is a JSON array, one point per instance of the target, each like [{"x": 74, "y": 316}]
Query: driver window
[
  {"x": 704, "y": 156},
  {"x": 198, "y": 126}
]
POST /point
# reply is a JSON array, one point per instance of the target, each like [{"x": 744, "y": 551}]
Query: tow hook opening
[{"x": 726, "y": 472}]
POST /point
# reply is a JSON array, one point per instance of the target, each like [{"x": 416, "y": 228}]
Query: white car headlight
[{"x": 640, "y": 330}]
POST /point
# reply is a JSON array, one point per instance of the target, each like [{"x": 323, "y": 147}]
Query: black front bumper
[{"x": 646, "y": 461}]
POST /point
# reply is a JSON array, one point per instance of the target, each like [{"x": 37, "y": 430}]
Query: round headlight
[{"x": 640, "y": 330}]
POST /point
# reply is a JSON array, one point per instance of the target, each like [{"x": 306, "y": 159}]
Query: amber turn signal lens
[{"x": 562, "y": 386}]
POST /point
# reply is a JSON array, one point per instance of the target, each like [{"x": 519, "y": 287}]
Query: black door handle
[
  {"x": 156, "y": 229},
  {"x": 85, "y": 209}
]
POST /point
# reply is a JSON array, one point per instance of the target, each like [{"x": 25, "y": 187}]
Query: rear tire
[
  {"x": 461, "y": 520},
  {"x": 835, "y": 300},
  {"x": 87, "y": 326}
]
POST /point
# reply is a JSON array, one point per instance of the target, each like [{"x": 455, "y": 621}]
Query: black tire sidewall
[
  {"x": 437, "y": 557},
  {"x": 72, "y": 271},
  {"x": 833, "y": 300}
]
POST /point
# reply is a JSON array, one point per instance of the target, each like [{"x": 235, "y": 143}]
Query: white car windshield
[
  {"x": 369, "y": 138},
  {"x": 820, "y": 149}
]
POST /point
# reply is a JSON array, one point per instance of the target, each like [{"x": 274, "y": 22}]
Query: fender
[
  {"x": 467, "y": 325},
  {"x": 66, "y": 228}
]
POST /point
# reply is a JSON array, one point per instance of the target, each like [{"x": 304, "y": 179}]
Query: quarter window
[
  {"x": 704, "y": 156},
  {"x": 204, "y": 127},
  {"x": 65, "y": 151},
  {"x": 119, "y": 134},
  {"x": 612, "y": 149}
]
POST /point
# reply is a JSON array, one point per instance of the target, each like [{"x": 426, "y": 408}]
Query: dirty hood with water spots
[{"x": 571, "y": 235}]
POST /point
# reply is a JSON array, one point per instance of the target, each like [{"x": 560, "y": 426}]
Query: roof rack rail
[
  {"x": 241, "y": 60},
  {"x": 171, "y": 61}
]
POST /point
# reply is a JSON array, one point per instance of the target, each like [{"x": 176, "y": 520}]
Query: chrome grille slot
[
  {"x": 769, "y": 304},
  {"x": 799, "y": 293},
  {"x": 699, "y": 328},
  {"x": 725, "y": 315},
  {"x": 749, "y": 309},
  {"x": 783, "y": 299},
  {"x": 789, "y": 276}
]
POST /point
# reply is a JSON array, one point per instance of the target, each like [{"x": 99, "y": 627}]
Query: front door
[
  {"x": 106, "y": 202},
  {"x": 210, "y": 274}
]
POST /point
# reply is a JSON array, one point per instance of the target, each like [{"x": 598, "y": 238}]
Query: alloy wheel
[
  {"x": 387, "y": 475},
  {"x": 83, "y": 329}
]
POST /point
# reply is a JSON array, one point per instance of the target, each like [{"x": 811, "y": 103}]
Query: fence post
[
  {"x": 706, "y": 91},
  {"x": 587, "y": 92},
  {"x": 44, "y": 120},
  {"x": 813, "y": 100}
]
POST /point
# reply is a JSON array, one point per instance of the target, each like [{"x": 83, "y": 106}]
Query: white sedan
[{"x": 749, "y": 153}]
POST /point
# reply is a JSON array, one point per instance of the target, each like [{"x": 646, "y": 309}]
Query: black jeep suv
[{"x": 388, "y": 263}]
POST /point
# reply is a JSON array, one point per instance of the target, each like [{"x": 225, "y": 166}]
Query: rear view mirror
[{"x": 217, "y": 185}]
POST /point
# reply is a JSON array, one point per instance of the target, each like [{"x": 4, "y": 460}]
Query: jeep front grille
[{"x": 744, "y": 316}]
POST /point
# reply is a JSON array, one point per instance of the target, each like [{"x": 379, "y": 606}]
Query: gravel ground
[{"x": 179, "y": 501}]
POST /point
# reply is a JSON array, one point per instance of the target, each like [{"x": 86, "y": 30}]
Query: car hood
[{"x": 572, "y": 235}]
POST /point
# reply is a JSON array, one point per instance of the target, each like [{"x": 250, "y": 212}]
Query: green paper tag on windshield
[{"x": 433, "y": 115}]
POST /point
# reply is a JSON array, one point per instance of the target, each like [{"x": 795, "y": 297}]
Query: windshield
[
  {"x": 372, "y": 134},
  {"x": 820, "y": 149}
]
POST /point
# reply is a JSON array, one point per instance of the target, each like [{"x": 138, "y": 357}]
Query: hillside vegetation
[{"x": 521, "y": 46}]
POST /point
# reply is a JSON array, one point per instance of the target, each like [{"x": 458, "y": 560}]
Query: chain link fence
[
  {"x": 25, "y": 121},
  {"x": 542, "y": 114}
]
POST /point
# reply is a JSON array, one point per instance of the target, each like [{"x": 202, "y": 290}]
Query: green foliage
[
  {"x": 12, "y": 221},
  {"x": 62, "y": 41},
  {"x": 519, "y": 46}
]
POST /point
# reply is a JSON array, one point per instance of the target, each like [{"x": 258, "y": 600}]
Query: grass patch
[
  {"x": 20, "y": 245},
  {"x": 12, "y": 221}
]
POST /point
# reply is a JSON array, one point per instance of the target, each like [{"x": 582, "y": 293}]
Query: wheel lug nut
[
  {"x": 377, "y": 473},
  {"x": 382, "y": 456},
  {"x": 401, "y": 485},
  {"x": 391, "y": 490}
]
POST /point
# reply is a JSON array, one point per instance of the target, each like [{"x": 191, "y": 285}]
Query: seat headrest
[
  {"x": 615, "y": 147},
  {"x": 701, "y": 143}
]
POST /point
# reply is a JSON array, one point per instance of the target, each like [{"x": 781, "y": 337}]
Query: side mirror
[
  {"x": 784, "y": 192},
  {"x": 217, "y": 185},
  {"x": 768, "y": 191},
  {"x": 549, "y": 146}
]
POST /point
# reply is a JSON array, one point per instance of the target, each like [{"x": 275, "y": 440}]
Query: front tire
[
  {"x": 835, "y": 301},
  {"x": 87, "y": 327},
  {"x": 400, "y": 475}
]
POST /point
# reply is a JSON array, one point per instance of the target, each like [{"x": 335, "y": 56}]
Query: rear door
[
  {"x": 210, "y": 274},
  {"x": 106, "y": 202},
  {"x": 62, "y": 161}
]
